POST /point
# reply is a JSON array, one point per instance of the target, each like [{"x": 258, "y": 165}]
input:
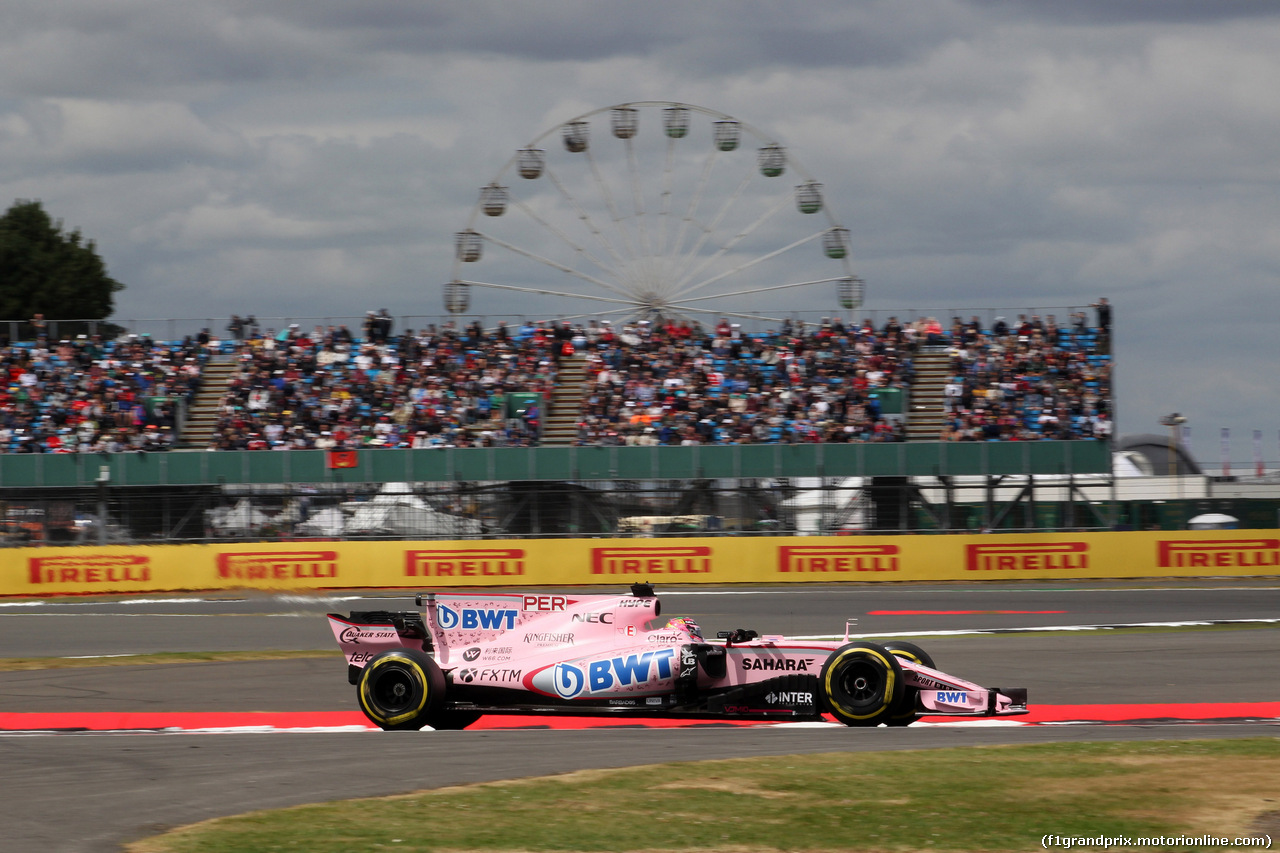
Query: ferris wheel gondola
[{"x": 653, "y": 226}]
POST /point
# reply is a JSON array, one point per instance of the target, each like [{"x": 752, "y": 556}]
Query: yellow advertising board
[{"x": 581, "y": 562}]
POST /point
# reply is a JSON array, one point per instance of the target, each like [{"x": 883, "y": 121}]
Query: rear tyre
[
  {"x": 905, "y": 714},
  {"x": 861, "y": 684},
  {"x": 401, "y": 689}
]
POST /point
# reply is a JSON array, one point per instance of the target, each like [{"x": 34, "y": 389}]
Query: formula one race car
[{"x": 469, "y": 654}]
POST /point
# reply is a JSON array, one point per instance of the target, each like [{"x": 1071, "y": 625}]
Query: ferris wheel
[{"x": 638, "y": 211}]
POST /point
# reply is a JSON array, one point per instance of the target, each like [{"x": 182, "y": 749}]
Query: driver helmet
[{"x": 686, "y": 625}]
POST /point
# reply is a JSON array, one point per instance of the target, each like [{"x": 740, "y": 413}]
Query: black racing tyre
[
  {"x": 401, "y": 689},
  {"x": 905, "y": 714},
  {"x": 861, "y": 684}
]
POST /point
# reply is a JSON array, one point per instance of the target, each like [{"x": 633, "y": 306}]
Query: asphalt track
[{"x": 92, "y": 791}]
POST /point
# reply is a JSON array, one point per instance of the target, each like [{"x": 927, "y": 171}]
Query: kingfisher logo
[
  {"x": 676, "y": 560},
  {"x": 1027, "y": 556},
  {"x": 1217, "y": 553},
  {"x": 277, "y": 565},
  {"x": 473, "y": 563},
  {"x": 475, "y": 618},
  {"x": 838, "y": 558},
  {"x": 602, "y": 676}
]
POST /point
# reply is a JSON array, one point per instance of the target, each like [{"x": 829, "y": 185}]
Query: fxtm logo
[
  {"x": 603, "y": 675},
  {"x": 476, "y": 618}
]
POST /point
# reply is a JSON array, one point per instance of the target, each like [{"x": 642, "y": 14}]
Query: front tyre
[
  {"x": 861, "y": 684},
  {"x": 401, "y": 689},
  {"x": 905, "y": 713}
]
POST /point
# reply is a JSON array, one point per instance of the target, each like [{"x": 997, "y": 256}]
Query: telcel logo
[
  {"x": 475, "y": 618},
  {"x": 1027, "y": 556},
  {"x": 1217, "y": 553},
  {"x": 601, "y": 676}
]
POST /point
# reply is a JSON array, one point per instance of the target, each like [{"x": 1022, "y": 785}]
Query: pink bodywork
[{"x": 614, "y": 647}]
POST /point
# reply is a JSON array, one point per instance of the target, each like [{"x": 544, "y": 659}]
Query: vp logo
[{"x": 569, "y": 680}]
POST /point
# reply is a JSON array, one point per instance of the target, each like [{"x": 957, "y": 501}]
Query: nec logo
[
  {"x": 838, "y": 558},
  {"x": 1027, "y": 556},
  {"x": 1217, "y": 553},
  {"x": 677, "y": 560},
  {"x": 479, "y": 562},
  {"x": 605, "y": 618}
]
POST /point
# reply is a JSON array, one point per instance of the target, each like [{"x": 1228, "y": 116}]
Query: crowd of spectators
[
  {"x": 84, "y": 394},
  {"x": 665, "y": 383}
]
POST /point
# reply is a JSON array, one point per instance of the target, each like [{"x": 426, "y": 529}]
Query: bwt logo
[
  {"x": 1027, "y": 556},
  {"x": 838, "y": 558},
  {"x": 678, "y": 560},
  {"x": 475, "y": 618},
  {"x": 603, "y": 675},
  {"x": 277, "y": 565},
  {"x": 479, "y": 562},
  {"x": 1217, "y": 553},
  {"x": 953, "y": 697}
]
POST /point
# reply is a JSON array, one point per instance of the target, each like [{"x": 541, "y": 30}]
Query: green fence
[{"x": 197, "y": 468}]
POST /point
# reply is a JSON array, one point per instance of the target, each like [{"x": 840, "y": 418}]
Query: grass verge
[{"x": 988, "y": 799}]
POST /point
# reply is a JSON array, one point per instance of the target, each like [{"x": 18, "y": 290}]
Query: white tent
[{"x": 240, "y": 520}]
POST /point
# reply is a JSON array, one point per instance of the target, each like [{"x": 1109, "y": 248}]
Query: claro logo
[
  {"x": 90, "y": 568},
  {"x": 1027, "y": 556},
  {"x": 277, "y": 565},
  {"x": 676, "y": 560},
  {"x": 1217, "y": 553},
  {"x": 479, "y": 562},
  {"x": 838, "y": 558}
]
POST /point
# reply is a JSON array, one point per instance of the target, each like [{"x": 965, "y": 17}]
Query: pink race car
[{"x": 469, "y": 654}]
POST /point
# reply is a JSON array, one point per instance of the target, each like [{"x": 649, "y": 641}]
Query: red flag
[{"x": 343, "y": 459}]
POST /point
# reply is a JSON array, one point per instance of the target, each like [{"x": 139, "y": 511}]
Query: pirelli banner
[{"x": 579, "y": 562}]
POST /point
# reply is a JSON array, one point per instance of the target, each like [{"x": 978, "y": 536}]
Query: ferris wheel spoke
[
  {"x": 686, "y": 300},
  {"x": 709, "y": 229},
  {"x": 637, "y": 199},
  {"x": 534, "y": 256},
  {"x": 607, "y": 195},
  {"x": 668, "y": 171},
  {"x": 729, "y": 244},
  {"x": 748, "y": 264},
  {"x": 565, "y": 238},
  {"x": 544, "y": 292},
  {"x": 586, "y": 219}
]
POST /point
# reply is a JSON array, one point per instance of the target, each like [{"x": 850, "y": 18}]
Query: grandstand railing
[{"x": 193, "y": 468}]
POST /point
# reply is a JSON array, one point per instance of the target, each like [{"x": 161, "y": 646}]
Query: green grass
[
  {"x": 23, "y": 664},
  {"x": 983, "y": 799}
]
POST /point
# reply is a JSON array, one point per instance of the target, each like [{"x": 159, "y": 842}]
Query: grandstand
[{"x": 477, "y": 391}]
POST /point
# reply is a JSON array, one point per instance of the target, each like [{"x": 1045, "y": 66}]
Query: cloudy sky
[{"x": 314, "y": 158}]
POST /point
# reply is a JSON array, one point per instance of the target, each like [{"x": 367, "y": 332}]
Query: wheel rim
[
  {"x": 863, "y": 683},
  {"x": 393, "y": 691}
]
